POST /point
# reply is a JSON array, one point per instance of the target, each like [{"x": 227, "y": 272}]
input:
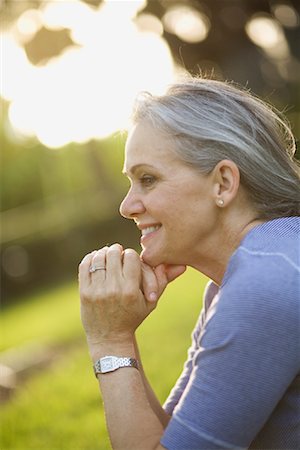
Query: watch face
[{"x": 107, "y": 364}]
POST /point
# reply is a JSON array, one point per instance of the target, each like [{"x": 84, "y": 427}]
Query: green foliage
[
  {"x": 44, "y": 191},
  {"x": 60, "y": 408},
  {"x": 32, "y": 173}
]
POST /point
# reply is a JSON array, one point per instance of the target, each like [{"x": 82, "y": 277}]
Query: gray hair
[{"x": 213, "y": 120}]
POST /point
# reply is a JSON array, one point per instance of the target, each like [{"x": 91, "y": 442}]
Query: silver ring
[{"x": 94, "y": 268}]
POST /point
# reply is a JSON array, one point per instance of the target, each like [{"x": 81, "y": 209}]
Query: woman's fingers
[
  {"x": 155, "y": 280},
  {"x": 149, "y": 283},
  {"x": 132, "y": 267},
  {"x": 113, "y": 303},
  {"x": 84, "y": 266},
  {"x": 167, "y": 273},
  {"x": 97, "y": 269},
  {"x": 114, "y": 262}
]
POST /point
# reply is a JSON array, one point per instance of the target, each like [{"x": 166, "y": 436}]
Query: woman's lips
[{"x": 148, "y": 232}]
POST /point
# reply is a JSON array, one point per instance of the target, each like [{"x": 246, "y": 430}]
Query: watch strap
[
  {"x": 111, "y": 363},
  {"x": 128, "y": 362}
]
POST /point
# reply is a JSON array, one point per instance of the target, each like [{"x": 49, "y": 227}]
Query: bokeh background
[{"x": 70, "y": 70}]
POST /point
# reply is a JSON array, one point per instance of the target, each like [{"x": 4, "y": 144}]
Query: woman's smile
[{"x": 149, "y": 232}]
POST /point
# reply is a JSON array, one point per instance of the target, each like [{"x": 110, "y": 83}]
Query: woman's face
[{"x": 172, "y": 204}]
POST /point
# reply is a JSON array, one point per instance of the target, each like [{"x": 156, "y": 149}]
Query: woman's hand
[
  {"x": 112, "y": 302},
  {"x": 116, "y": 300}
]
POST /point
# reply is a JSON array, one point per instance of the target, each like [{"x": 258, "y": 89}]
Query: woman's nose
[{"x": 131, "y": 206}]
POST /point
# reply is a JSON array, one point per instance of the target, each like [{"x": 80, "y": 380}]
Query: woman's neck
[{"x": 215, "y": 257}]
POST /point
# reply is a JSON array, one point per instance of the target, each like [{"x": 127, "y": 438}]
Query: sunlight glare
[
  {"x": 187, "y": 23},
  {"x": 28, "y": 24},
  {"x": 267, "y": 33},
  {"x": 87, "y": 91},
  {"x": 20, "y": 121},
  {"x": 58, "y": 15},
  {"x": 263, "y": 31},
  {"x": 126, "y": 9},
  {"x": 149, "y": 23},
  {"x": 16, "y": 63}
]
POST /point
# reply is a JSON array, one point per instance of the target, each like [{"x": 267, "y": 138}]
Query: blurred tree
[
  {"x": 228, "y": 53},
  {"x": 46, "y": 44}
]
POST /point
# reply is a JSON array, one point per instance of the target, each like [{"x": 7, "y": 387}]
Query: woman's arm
[
  {"x": 154, "y": 403},
  {"x": 131, "y": 421},
  {"x": 113, "y": 305}
]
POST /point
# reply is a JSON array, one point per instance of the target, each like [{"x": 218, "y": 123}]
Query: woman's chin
[
  {"x": 150, "y": 259},
  {"x": 155, "y": 259}
]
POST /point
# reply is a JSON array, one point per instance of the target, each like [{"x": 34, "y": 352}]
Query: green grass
[
  {"x": 60, "y": 408},
  {"x": 50, "y": 318}
]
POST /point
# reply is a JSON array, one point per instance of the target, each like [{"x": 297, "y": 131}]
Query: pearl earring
[{"x": 220, "y": 202}]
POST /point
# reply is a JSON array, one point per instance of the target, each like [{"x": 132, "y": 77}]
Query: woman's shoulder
[
  {"x": 269, "y": 250},
  {"x": 276, "y": 237},
  {"x": 260, "y": 292},
  {"x": 266, "y": 265}
]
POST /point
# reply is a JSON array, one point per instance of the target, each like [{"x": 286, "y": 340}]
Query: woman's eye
[{"x": 147, "y": 180}]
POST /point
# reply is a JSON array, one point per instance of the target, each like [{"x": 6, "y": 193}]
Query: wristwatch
[{"x": 111, "y": 363}]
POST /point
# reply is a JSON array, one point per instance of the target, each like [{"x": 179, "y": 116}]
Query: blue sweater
[{"x": 240, "y": 387}]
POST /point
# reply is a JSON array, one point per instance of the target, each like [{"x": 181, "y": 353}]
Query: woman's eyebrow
[{"x": 134, "y": 168}]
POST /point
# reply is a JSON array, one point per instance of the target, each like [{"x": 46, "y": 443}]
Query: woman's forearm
[
  {"x": 131, "y": 409},
  {"x": 153, "y": 400}
]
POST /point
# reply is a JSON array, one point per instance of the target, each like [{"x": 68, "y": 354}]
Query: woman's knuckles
[
  {"x": 115, "y": 248},
  {"x": 130, "y": 293},
  {"x": 93, "y": 294},
  {"x": 132, "y": 258}
]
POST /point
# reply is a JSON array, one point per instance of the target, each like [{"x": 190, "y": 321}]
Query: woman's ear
[{"x": 226, "y": 179}]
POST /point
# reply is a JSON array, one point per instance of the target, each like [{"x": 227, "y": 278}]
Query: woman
[{"x": 213, "y": 186}]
